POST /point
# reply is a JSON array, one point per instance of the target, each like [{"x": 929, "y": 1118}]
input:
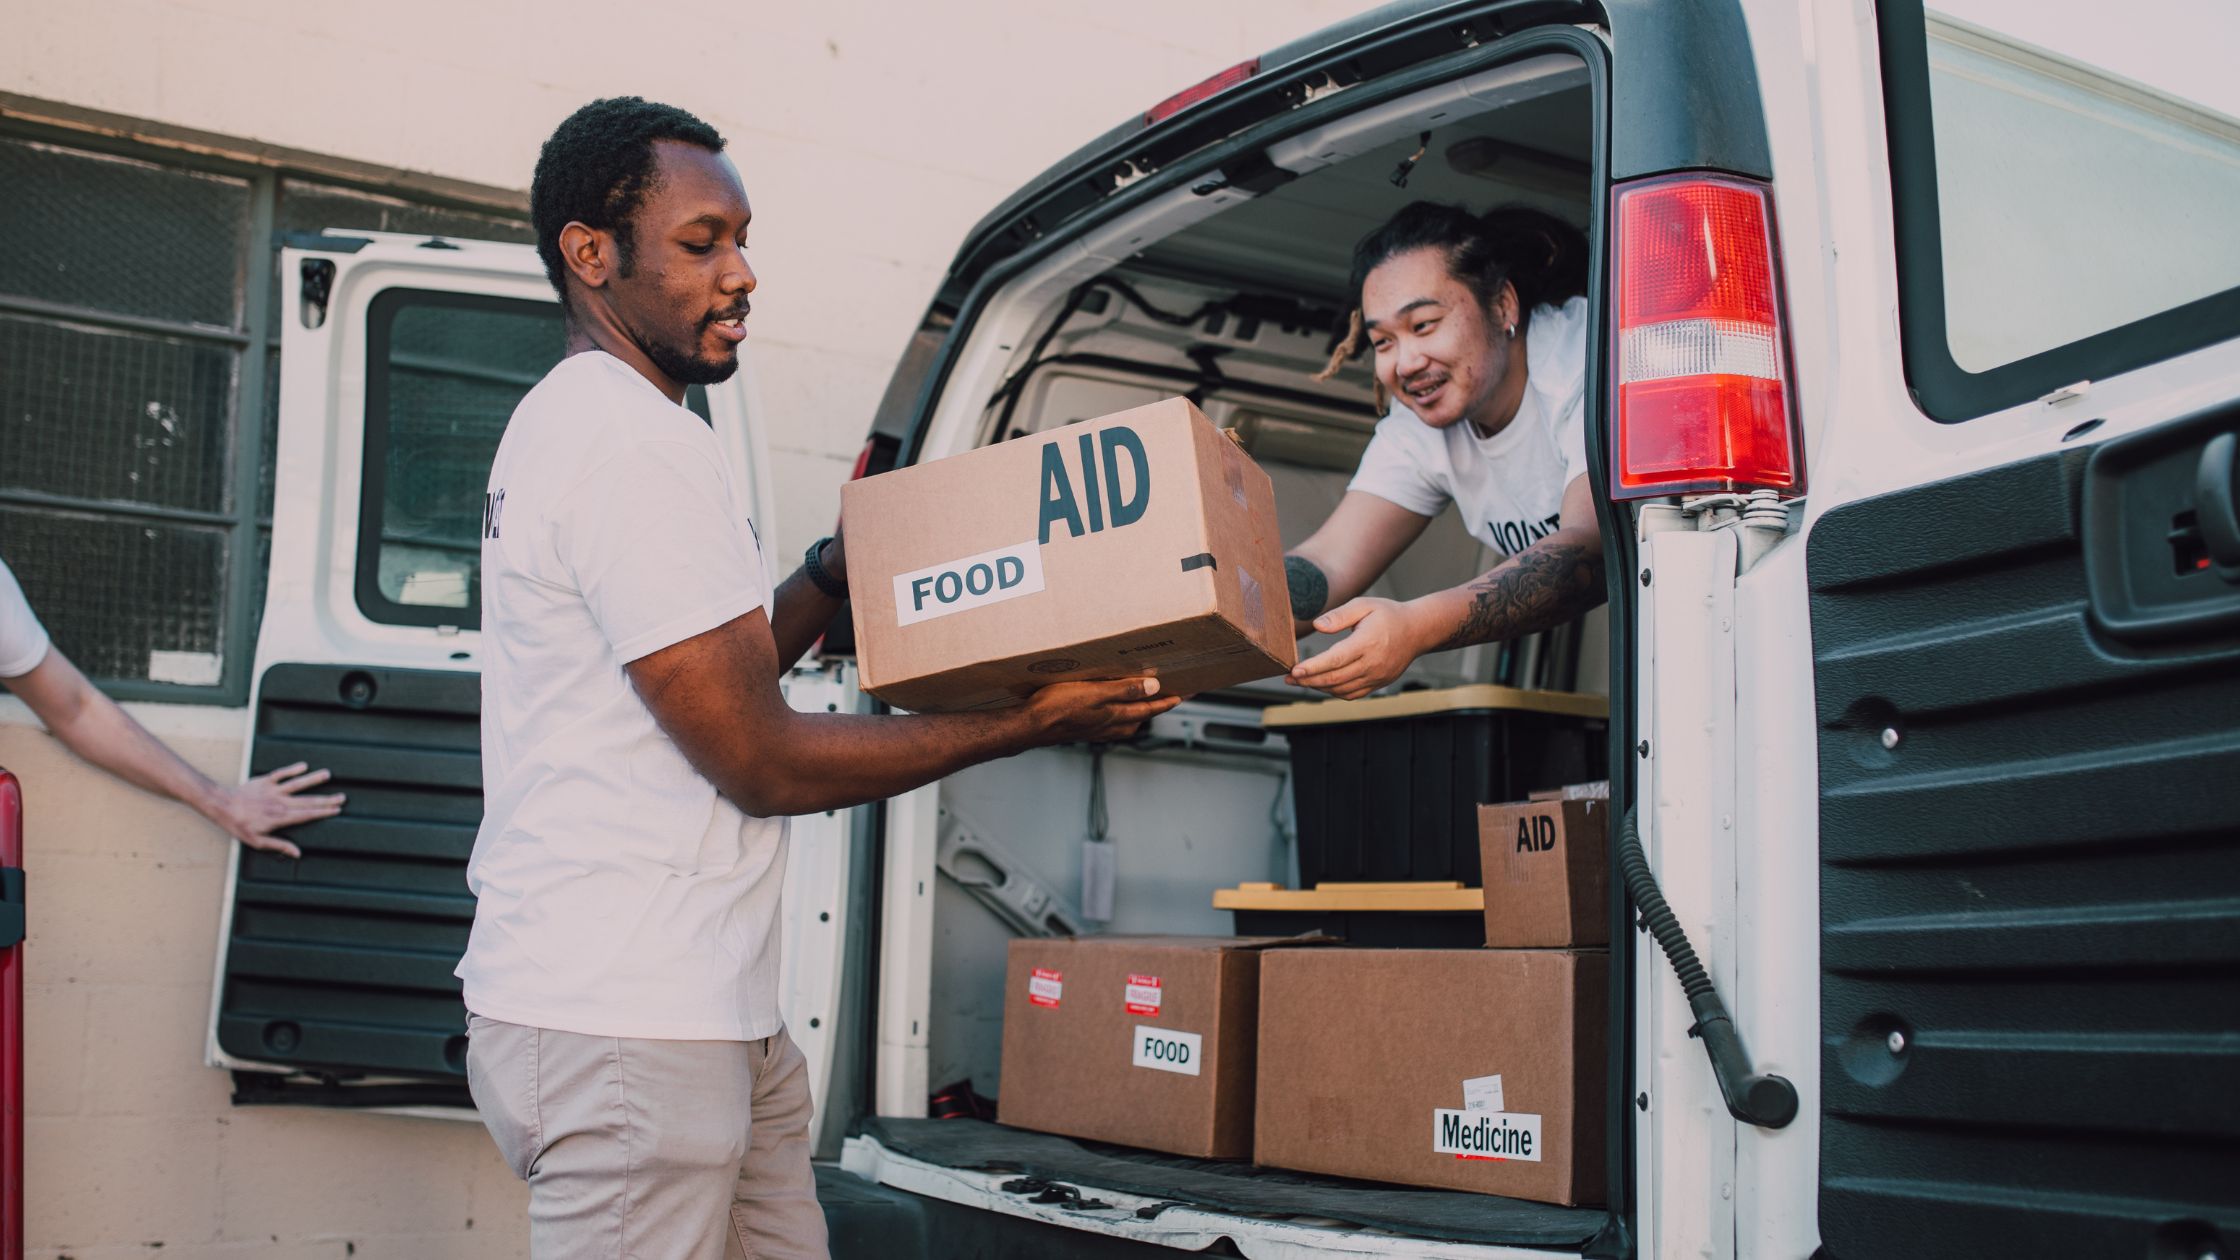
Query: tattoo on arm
[
  {"x": 1547, "y": 584},
  {"x": 1310, "y": 590}
]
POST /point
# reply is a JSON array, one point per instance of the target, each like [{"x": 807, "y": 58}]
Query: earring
[{"x": 1512, "y": 332}]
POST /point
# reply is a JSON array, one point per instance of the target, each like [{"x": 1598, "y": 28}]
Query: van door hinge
[
  {"x": 1761, "y": 516},
  {"x": 11, "y": 906}
]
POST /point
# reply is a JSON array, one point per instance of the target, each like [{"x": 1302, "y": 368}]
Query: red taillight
[
  {"x": 1214, "y": 86},
  {"x": 1701, "y": 364}
]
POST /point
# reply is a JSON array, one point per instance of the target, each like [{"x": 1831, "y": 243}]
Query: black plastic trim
[
  {"x": 340, "y": 963},
  {"x": 2135, "y": 490},
  {"x": 11, "y": 907},
  {"x": 1941, "y": 387},
  {"x": 2029, "y": 891},
  {"x": 1686, "y": 84},
  {"x": 324, "y": 242}
]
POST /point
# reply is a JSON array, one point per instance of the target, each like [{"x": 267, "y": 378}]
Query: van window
[
  {"x": 2060, "y": 196},
  {"x": 443, "y": 373}
]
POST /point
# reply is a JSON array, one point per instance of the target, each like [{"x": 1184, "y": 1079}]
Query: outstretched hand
[
  {"x": 251, "y": 812},
  {"x": 1382, "y": 644}
]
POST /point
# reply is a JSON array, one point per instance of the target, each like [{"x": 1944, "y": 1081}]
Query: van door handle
[{"x": 2215, "y": 512}]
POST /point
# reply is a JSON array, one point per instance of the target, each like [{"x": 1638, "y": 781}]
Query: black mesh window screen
[{"x": 139, "y": 375}]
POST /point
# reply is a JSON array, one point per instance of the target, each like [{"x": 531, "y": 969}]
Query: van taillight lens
[{"x": 1704, "y": 399}]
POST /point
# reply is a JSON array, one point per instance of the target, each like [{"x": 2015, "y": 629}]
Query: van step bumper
[{"x": 933, "y": 1168}]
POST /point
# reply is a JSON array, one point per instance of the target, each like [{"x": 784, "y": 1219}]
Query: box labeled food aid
[
  {"x": 1547, "y": 873},
  {"x": 1142, "y": 542},
  {"x": 1142, "y": 1040},
  {"x": 1460, "y": 1069}
]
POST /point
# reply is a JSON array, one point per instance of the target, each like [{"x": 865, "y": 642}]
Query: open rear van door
[{"x": 2024, "y": 575}]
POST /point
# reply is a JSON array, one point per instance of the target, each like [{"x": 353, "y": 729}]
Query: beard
[{"x": 686, "y": 367}]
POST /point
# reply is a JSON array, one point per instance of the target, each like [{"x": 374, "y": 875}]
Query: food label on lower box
[
  {"x": 1046, "y": 987},
  {"x": 1486, "y": 1135},
  {"x": 973, "y": 582},
  {"x": 1163, "y": 1050},
  {"x": 1143, "y": 995}
]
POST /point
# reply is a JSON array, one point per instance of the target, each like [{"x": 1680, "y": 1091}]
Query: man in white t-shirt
[
  {"x": 626, "y": 1048},
  {"x": 1480, "y": 335},
  {"x": 96, "y": 728}
]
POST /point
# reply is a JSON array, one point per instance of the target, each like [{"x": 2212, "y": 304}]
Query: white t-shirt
[
  {"x": 618, "y": 893},
  {"x": 23, "y": 641},
  {"x": 1509, "y": 487}
]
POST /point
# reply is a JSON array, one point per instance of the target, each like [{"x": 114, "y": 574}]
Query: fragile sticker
[
  {"x": 973, "y": 582},
  {"x": 1482, "y": 1093},
  {"x": 1045, "y": 987},
  {"x": 1143, "y": 995},
  {"x": 1499, "y": 1135},
  {"x": 1164, "y": 1050}
]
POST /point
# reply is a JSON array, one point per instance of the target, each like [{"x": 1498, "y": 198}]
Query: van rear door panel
[
  {"x": 2030, "y": 993},
  {"x": 343, "y": 960}
]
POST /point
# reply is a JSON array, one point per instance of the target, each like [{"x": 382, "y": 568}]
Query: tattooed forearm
[{"x": 1547, "y": 584}]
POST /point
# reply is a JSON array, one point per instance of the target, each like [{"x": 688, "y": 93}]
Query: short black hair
[{"x": 596, "y": 170}]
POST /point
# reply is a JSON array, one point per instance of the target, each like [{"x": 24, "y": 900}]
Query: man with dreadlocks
[
  {"x": 1478, "y": 328},
  {"x": 625, "y": 1046}
]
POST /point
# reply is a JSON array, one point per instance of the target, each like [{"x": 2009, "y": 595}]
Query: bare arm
[
  {"x": 1546, "y": 584},
  {"x": 1362, "y": 538},
  {"x": 716, "y": 694},
  {"x": 92, "y": 725},
  {"x": 800, "y": 612}
]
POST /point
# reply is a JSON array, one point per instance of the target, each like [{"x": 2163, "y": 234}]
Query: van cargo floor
[{"x": 1231, "y": 1186}]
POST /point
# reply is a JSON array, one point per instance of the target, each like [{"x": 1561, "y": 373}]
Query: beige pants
[{"x": 652, "y": 1150}]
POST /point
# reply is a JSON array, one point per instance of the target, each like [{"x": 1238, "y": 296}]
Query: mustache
[
  {"x": 735, "y": 312},
  {"x": 1419, "y": 380}
]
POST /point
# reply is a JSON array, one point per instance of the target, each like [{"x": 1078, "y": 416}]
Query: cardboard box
[
  {"x": 1144, "y": 542},
  {"x": 1546, "y": 866},
  {"x": 1461, "y": 1069},
  {"x": 1142, "y": 1040}
]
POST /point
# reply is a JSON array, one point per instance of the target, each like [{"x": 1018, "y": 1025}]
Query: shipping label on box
[
  {"x": 1143, "y": 542},
  {"x": 1547, "y": 873}
]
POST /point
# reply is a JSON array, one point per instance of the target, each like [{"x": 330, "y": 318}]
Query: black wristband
[
  {"x": 1310, "y": 590},
  {"x": 813, "y": 565}
]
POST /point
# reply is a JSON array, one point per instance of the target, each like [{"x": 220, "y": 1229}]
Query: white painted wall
[{"x": 871, "y": 137}]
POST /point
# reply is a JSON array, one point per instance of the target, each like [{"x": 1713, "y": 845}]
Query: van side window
[
  {"x": 443, "y": 373},
  {"x": 2058, "y": 221}
]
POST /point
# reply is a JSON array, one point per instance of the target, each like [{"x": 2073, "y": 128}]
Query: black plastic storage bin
[{"x": 1388, "y": 788}]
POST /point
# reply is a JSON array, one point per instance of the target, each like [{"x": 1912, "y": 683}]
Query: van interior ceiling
[{"x": 1235, "y": 300}]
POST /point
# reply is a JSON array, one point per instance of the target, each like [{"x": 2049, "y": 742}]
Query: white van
[{"x": 1936, "y": 764}]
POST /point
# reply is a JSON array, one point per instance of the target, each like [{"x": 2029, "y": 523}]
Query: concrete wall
[{"x": 871, "y": 137}]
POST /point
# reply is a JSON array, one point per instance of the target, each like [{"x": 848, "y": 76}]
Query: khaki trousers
[{"x": 652, "y": 1150}]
